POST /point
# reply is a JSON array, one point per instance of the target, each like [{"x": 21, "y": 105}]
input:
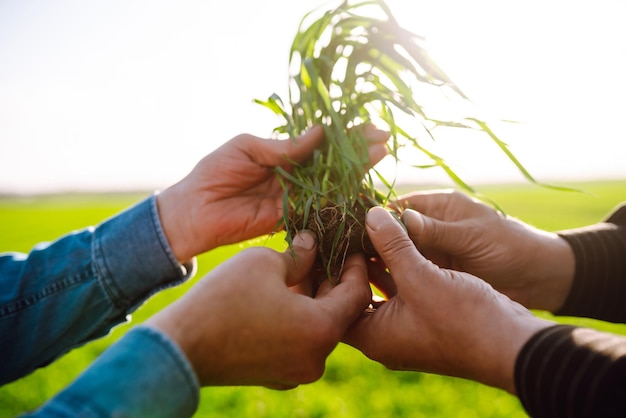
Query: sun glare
[{"x": 174, "y": 81}]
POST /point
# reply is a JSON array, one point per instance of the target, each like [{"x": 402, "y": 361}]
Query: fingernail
[
  {"x": 411, "y": 218},
  {"x": 413, "y": 221},
  {"x": 305, "y": 239},
  {"x": 378, "y": 217}
]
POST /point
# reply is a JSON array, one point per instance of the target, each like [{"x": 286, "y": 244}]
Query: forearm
[
  {"x": 565, "y": 371},
  {"x": 142, "y": 375},
  {"x": 496, "y": 348},
  {"x": 599, "y": 283},
  {"x": 76, "y": 289}
]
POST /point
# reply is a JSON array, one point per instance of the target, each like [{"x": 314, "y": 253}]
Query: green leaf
[{"x": 350, "y": 64}]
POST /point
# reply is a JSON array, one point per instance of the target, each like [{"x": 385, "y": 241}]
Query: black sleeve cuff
[
  {"x": 599, "y": 284},
  {"x": 565, "y": 371}
]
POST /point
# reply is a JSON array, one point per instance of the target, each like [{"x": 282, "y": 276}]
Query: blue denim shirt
[{"x": 75, "y": 289}]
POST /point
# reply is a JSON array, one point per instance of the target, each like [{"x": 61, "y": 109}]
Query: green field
[{"x": 352, "y": 386}]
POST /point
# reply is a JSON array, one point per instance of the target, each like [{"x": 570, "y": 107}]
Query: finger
[
  {"x": 432, "y": 233},
  {"x": 299, "y": 149},
  {"x": 394, "y": 247},
  {"x": 299, "y": 263},
  {"x": 448, "y": 205},
  {"x": 279, "y": 152},
  {"x": 377, "y": 140},
  {"x": 376, "y": 152},
  {"x": 375, "y": 135},
  {"x": 351, "y": 296},
  {"x": 434, "y": 203},
  {"x": 306, "y": 287}
]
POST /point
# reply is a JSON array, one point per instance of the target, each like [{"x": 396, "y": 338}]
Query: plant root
[{"x": 340, "y": 232}]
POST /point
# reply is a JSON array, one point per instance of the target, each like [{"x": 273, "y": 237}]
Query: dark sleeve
[
  {"x": 566, "y": 371},
  {"x": 599, "y": 285}
]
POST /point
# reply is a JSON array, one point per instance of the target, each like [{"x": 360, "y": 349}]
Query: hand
[
  {"x": 243, "y": 325},
  {"x": 438, "y": 320},
  {"x": 233, "y": 194},
  {"x": 532, "y": 267}
]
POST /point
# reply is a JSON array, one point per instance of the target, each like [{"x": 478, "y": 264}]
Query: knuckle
[
  {"x": 244, "y": 138},
  {"x": 474, "y": 229},
  {"x": 246, "y": 142},
  {"x": 457, "y": 196},
  {"x": 261, "y": 255},
  {"x": 240, "y": 140},
  {"x": 395, "y": 248}
]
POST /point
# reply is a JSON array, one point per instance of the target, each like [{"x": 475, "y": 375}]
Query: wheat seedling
[{"x": 350, "y": 65}]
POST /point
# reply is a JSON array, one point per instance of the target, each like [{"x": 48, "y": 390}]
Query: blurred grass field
[{"x": 352, "y": 386}]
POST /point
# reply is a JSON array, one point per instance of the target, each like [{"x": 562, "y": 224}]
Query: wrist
[
  {"x": 175, "y": 221},
  {"x": 516, "y": 328},
  {"x": 171, "y": 322},
  {"x": 553, "y": 267}
]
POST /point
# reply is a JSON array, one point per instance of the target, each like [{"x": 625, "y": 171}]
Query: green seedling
[{"x": 351, "y": 65}]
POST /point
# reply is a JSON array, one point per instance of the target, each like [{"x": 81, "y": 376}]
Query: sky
[{"x": 128, "y": 94}]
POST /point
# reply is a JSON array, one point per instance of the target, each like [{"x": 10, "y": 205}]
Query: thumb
[
  {"x": 427, "y": 232},
  {"x": 351, "y": 296},
  {"x": 302, "y": 258},
  {"x": 394, "y": 246}
]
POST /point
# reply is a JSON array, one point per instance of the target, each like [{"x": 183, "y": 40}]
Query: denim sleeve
[
  {"x": 75, "y": 289},
  {"x": 143, "y": 375}
]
